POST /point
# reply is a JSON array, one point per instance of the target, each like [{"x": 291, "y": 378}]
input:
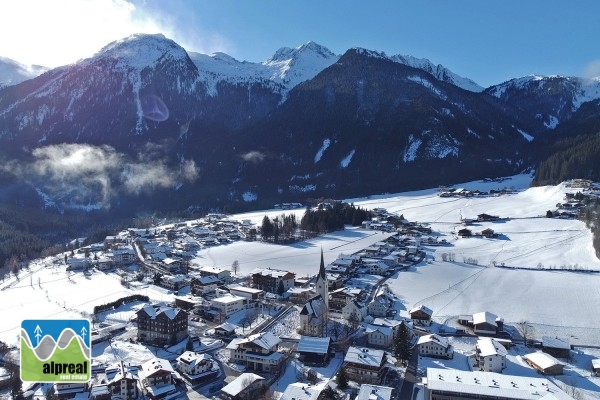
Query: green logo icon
[{"x": 55, "y": 350}]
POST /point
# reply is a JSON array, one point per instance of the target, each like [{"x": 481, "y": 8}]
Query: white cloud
[
  {"x": 592, "y": 70},
  {"x": 54, "y": 33}
]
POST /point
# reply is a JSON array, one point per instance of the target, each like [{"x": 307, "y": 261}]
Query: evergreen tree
[
  {"x": 50, "y": 394},
  {"x": 189, "y": 346},
  {"x": 266, "y": 229},
  {"x": 16, "y": 386},
  {"x": 342, "y": 378},
  {"x": 402, "y": 347},
  {"x": 280, "y": 288}
]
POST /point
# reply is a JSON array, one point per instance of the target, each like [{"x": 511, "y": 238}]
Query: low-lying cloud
[{"x": 79, "y": 174}]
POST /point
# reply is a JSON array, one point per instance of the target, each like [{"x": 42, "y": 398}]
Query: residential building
[
  {"x": 228, "y": 304},
  {"x": 374, "y": 392},
  {"x": 556, "y": 347},
  {"x": 160, "y": 324},
  {"x": 69, "y": 390},
  {"x": 364, "y": 365},
  {"x": 381, "y": 332},
  {"x": 272, "y": 280},
  {"x": 544, "y": 363},
  {"x": 435, "y": 346},
  {"x": 421, "y": 315},
  {"x": 354, "y": 311},
  {"x": 244, "y": 387},
  {"x": 340, "y": 297},
  {"x": 486, "y": 323},
  {"x": 314, "y": 350},
  {"x": 247, "y": 292},
  {"x": 157, "y": 378},
  {"x": 380, "y": 306},
  {"x": 452, "y": 384},
  {"x": 124, "y": 255},
  {"x": 257, "y": 352},
  {"x": 204, "y": 285},
  {"x": 123, "y": 381},
  {"x": 490, "y": 355},
  {"x": 220, "y": 273},
  {"x": 197, "y": 367},
  {"x": 301, "y": 391}
]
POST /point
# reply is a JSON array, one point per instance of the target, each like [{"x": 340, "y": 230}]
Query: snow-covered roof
[
  {"x": 266, "y": 340},
  {"x": 155, "y": 310},
  {"x": 228, "y": 298},
  {"x": 246, "y": 289},
  {"x": 385, "y": 330},
  {"x": 240, "y": 383},
  {"x": 300, "y": 391},
  {"x": 309, "y": 344},
  {"x": 479, "y": 383},
  {"x": 156, "y": 364},
  {"x": 422, "y": 308},
  {"x": 433, "y": 338},
  {"x": 274, "y": 273},
  {"x": 555, "y": 343},
  {"x": 484, "y": 317},
  {"x": 192, "y": 358},
  {"x": 227, "y": 326},
  {"x": 374, "y": 392},
  {"x": 490, "y": 347},
  {"x": 596, "y": 363},
  {"x": 542, "y": 360},
  {"x": 208, "y": 280},
  {"x": 364, "y": 356}
]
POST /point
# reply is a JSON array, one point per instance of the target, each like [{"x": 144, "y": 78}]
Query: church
[{"x": 314, "y": 316}]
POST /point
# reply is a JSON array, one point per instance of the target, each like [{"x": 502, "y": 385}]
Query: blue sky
[{"x": 487, "y": 41}]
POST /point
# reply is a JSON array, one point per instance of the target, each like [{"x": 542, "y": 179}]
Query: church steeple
[
  {"x": 322, "y": 273},
  {"x": 322, "y": 288}
]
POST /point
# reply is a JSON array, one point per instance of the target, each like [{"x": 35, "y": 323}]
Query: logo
[{"x": 55, "y": 350}]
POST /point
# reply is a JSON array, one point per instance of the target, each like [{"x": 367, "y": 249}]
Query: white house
[
  {"x": 228, "y": 304},
  {"x": 157, "y": 378},
  {"x": 490, "y": 355},
  {"x": 196, "y": 366},
  {"x": 380, "y": 306},
  {"x": 374, "y": 392},
  {"x": 435, "y": 346},
  {"x": 354, "y": 310},
  {"x": 257, "y": 352}
]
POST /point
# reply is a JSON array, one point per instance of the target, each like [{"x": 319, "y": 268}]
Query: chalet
[
  {"x": 244, "y": 387},
  {"x": 421, "y": 315},
  {"x": 340, "y": 297},
  {"x": 314, "y": 350},
  {"x": 465, "y": 233},
  {"x": 78, "y": 262},
  {"x": 490, "y": 355},
  {"x": 157, "y": 378},
  {"x": 544, "y": 363},
  {"x": 334, "y": 281},
  {"x": 173, "y": 282},
  {"x": 171, "y": 264},
  {"x": 197, "y": 367},
  {"x": 374, "y": 392},
  {"x": 301, "y": 391},
  {"x": 189, "y": 302},
  {"x": 204, "y": 285},
  {"x": 556, "y": 347},
  {"x": 226, "y": 329},
  {"x": 160, "y": 324},
  {"x": 104, "y": 263},
  {"x": 486, "y": 218},
  {"x": 435, "y": 346},
  {"x": 123, "y": 381},
  {"x": 272, "y": 280},
  {"x": 299, "y": 295},
  {"x": 486, "y": 323},
  {"x": 365, "y": 365},
  {"x": 488, "y": 233},
  {"x": 381, "y": 331},
  {"x": 257, "y": 352}
]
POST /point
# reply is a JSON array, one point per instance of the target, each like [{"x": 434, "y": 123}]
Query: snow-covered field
[{"x": 553, "y": 300}]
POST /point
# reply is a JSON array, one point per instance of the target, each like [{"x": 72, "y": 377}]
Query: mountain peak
[
  {"x": 286, "y": 54},
  {"x": 141, "y": 50}
]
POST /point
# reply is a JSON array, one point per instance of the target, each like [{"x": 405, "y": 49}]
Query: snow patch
[
  {"x": 428, "y": 85},
  {"x": 324, "y": 146},
  {"x": 527, "y": 136},
  {"x": 552, "y": 122},
  {"x": 346, "y": 161},
  {"x": 249, "y": 197},
  {"x": 410, "y": 153},
  {"x": 307, "y": 188}
]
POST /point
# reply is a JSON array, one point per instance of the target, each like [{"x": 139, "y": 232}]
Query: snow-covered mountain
[
  {"x": 13, "y": 72},
  {"x": 439, "y": 71},
  {"x": 283, "y": 71},
  {"x": 549, "y": 99},
  {"x": 157, "y": 116}
]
